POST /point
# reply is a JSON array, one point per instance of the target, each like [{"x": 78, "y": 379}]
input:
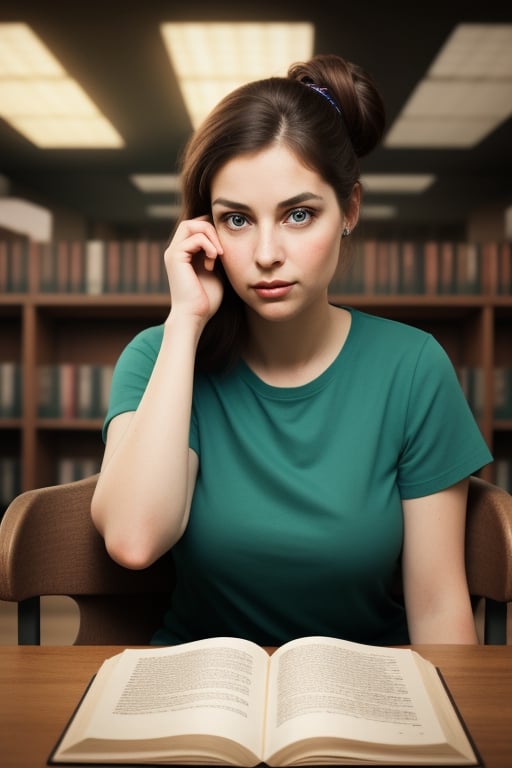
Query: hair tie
[{"x": 324, "y": 92}]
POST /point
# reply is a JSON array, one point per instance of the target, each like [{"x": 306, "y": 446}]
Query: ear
[{"x": 351, "y": 213}]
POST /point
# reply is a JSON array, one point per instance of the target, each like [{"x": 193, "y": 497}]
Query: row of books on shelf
[
  {"x": 503, "y": 473},
  {"x": 375, "y": 267},
  {"x": 14, "y": 266},
  {"x": 392, "y": 267},
  {"x": 81, "y": 390},
  {"x": 472, "y": 383},
  {"x": 97, "y": 267},
  {"x": 66, "y": 469},
  {"x": 500, "y": 254},
  {"x": 502, "y": 393},
  {"x": 69, "y": 469},
  {"x": 10, "y": 390},
  {"x": 74, "y": 390}
]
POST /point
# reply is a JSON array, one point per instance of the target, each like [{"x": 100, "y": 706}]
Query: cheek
[
  {"x": 233, "y": 264},
  {"x": 324, "y": 252}
]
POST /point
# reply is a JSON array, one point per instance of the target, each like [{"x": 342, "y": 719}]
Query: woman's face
[{"x": 280, "y": 226}]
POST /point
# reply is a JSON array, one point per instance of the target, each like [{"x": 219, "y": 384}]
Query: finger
[
  {"x": 208, "y": 228},
  {"x": 201, "y": 243},
  {"x": 189, "y": 246},
  {"x": 209, "y": 262}
]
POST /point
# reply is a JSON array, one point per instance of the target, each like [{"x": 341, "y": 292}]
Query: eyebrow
[{"x": 296, "y": 200}]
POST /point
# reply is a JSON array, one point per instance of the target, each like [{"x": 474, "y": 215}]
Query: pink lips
[{"x": 276, "y": 289}]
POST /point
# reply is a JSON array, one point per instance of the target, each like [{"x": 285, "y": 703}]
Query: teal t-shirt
[{"x": 296, "y": 523}]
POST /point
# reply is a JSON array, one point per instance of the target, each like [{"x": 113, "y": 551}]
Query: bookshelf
[{"x": 67, "y": 310}]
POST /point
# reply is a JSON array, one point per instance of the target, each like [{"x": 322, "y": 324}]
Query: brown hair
[{"x": 282, "y": 110}]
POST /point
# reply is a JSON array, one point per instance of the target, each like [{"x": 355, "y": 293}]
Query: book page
[
  {"x": 215, "y": 686},
  {"x": 322, "y": 687}
]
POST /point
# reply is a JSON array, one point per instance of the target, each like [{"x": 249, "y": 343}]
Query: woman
[{"x": 298, "y": 457}]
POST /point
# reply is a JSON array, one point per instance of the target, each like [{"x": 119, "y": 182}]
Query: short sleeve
[
  {"x": 131, "y": 373},
  {"x": 442, "y": 443}
]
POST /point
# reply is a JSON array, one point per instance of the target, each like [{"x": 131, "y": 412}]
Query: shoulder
[
  {"x": 386, "y": 329},
  {"x": 391, "y": 339},
  {"x": 146, "y": 343},
  {"x": 139, "y": 355}
]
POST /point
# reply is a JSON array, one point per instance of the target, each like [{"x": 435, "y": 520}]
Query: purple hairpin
[{"x": 325, "y": 93}]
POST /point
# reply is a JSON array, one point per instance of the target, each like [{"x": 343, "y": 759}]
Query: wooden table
[{"x": 41, "y": 685}]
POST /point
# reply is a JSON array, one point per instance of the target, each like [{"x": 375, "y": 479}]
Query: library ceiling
[{"x": 115, "y": 51}]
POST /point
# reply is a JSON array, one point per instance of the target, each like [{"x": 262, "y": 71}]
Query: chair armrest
[
  {"x": 49, "y": 546},
  {"x": 489, "y": 541}
]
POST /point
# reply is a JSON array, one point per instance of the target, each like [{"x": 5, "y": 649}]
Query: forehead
[{"x": 275, "y": 171}]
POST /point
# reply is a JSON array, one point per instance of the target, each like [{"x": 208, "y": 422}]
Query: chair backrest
[
  {"x": 49, "y": 546},
  {"x": 489, "y": 555}
]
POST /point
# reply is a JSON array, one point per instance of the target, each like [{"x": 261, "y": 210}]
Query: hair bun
[{"x": 354, "y": 90}]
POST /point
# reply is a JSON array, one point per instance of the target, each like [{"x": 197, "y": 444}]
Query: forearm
[
  {"x": 433, "y": 564},
  {"x": 450, "y": 622},
  {"x": 142, "y": 498}
]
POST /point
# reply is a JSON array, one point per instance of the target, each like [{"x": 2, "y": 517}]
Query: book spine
[
  {"x": 471, "y": 380},
  {"x": 68, "y": 390},
  {"x": 503, "y": 473},
  {"x": 94, "y": 267},
  {"x": 76, "y": 267},
  {"x": 15, "y": 267},
  {"x": 70, "y": 468},
  {"x": 10, "y": 390},
  {"x": 48, "y": 393},
  {"x": 85, "y": 391},
  {"x": 4, "y": 267},
  {"x": 504, "y": 269},
  {"x": 128, "y": 268},
  {"x": 502, "y": 395}
]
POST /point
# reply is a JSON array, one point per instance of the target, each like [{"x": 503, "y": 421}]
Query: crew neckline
[{"x": 310, "y": 387}]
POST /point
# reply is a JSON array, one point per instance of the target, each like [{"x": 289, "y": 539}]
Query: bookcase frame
[{"x": 40, "y": 327}]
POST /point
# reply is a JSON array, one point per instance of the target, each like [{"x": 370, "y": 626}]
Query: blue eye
[
  {"x": 300, "y": 215},
  {"x": 236, "y": 220}
]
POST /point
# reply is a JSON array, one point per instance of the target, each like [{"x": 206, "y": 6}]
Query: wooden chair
[{"x": 49, "y": 546}]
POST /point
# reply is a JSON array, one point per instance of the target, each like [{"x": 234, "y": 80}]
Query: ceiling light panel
[
  {"x": 461, "y": 98},
  {"x": 44, "y": 97},
  {"x": 156, "y": 182},
  {"x": 39, "y": 100},
  {"x": 211, "y": 59},
  {"x": 67, "y": 132},
  {"x": 401, "y": 183},
  {"x": 466, "y": 94},
  {"x": 476, "y": 50},
  {"x": 440, "y": 133},
  {"x": 163, "y": 211},
  {"x": 22, "y": 54},
  {"x": 378, "y": 212}
]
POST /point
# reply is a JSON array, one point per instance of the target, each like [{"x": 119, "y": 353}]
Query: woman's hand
[{"x": 196, "y": 290}]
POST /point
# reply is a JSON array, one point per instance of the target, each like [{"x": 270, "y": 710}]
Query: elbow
[
  {"x": 129, "y": 554},
  {"x": 129, "y": 551},
  {"x": 123, "y": 543}
]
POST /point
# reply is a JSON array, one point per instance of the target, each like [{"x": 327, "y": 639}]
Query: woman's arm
[
  {"x": 434, "y": 575},
  {"x": 143, "y": 495}
]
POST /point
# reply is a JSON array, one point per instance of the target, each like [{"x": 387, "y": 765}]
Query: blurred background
[
  {"x": 97, "y": 101},
  {"x": 444, "y": 70}
]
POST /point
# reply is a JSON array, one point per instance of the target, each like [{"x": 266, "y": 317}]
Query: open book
[{"x": 315, "y": 701}]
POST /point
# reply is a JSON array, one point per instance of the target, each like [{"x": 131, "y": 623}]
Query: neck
[{"x": 294, "y": 352}]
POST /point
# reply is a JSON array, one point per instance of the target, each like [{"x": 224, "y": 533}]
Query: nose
[{"x": 268, "y": 251}]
